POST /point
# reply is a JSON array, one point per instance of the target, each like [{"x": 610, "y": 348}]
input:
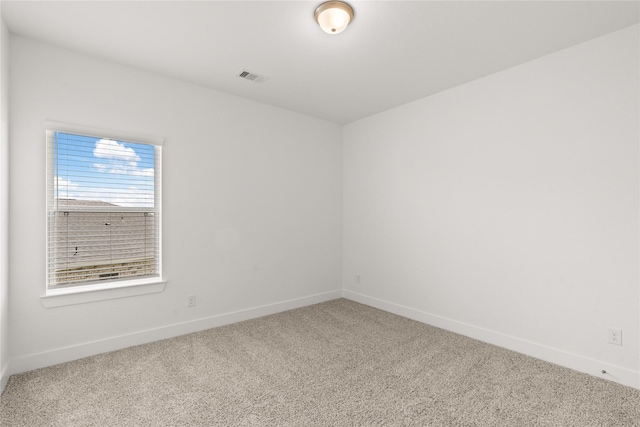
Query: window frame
[{"x": 79, "y": 293}]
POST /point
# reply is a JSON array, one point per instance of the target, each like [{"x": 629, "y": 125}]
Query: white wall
[
  {"x": 251, "y": 204},
  {"x": 507, "y": 208},
  {"x": 4, "y": 207}
]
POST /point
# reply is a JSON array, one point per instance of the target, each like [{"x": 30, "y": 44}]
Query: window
[{"x": 103, "y": 211}]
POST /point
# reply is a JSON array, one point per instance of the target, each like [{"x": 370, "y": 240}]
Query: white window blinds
[{"x": 103, "y": 210}]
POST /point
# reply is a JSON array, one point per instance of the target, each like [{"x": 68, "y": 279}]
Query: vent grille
[{"x": 252, "y": 77}]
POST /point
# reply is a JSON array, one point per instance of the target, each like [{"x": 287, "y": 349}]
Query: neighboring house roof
[{"x": 80, "y": 203}]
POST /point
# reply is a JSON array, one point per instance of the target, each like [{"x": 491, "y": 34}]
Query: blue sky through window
[{"x": 105, "y": 170}]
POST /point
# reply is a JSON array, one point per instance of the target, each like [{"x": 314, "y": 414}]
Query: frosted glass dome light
[{"x": 333, "y": 16}]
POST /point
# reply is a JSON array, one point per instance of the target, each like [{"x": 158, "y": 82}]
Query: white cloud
[
  {"x": 143, "y": 172},
  {"x": 113, "y": 150},
  {"x": 123, "y": 169},
  {"x": 65, "y": 188},
  {"x": 135, "y": 189},
  {"x": 65, "y": 183},
  {"x": 119, "y": 159}
]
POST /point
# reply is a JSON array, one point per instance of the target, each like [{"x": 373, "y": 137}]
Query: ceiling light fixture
[{"x": 334, "y": 16}]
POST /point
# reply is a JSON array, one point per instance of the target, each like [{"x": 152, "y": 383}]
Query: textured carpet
[{"x": 333, "y": 364}]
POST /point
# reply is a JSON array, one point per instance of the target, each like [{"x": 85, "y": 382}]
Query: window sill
[{"x": 82, "y": 295}]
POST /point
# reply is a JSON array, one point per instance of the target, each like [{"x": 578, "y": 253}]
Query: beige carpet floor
[{"x": 338, "y": 363}]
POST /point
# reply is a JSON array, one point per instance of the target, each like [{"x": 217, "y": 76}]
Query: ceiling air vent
[{"x": 252, "y": 77}]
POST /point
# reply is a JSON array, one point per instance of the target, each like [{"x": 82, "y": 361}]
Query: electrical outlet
[
  {"x": 615, "y": 336},
  {"x": 191, "y": 300}
]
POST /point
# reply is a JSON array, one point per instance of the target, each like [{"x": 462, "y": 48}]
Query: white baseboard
[
  {"x": 573, "y": 361},
  {"x": 4, "y": 378},
  {"x": 61, "y": 355}
]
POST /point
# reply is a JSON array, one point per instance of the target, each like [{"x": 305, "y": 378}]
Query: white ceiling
[{"x": 393, "y": 52}]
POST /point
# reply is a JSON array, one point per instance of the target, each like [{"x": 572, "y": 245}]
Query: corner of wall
[{"x": 4, "y": 204}]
